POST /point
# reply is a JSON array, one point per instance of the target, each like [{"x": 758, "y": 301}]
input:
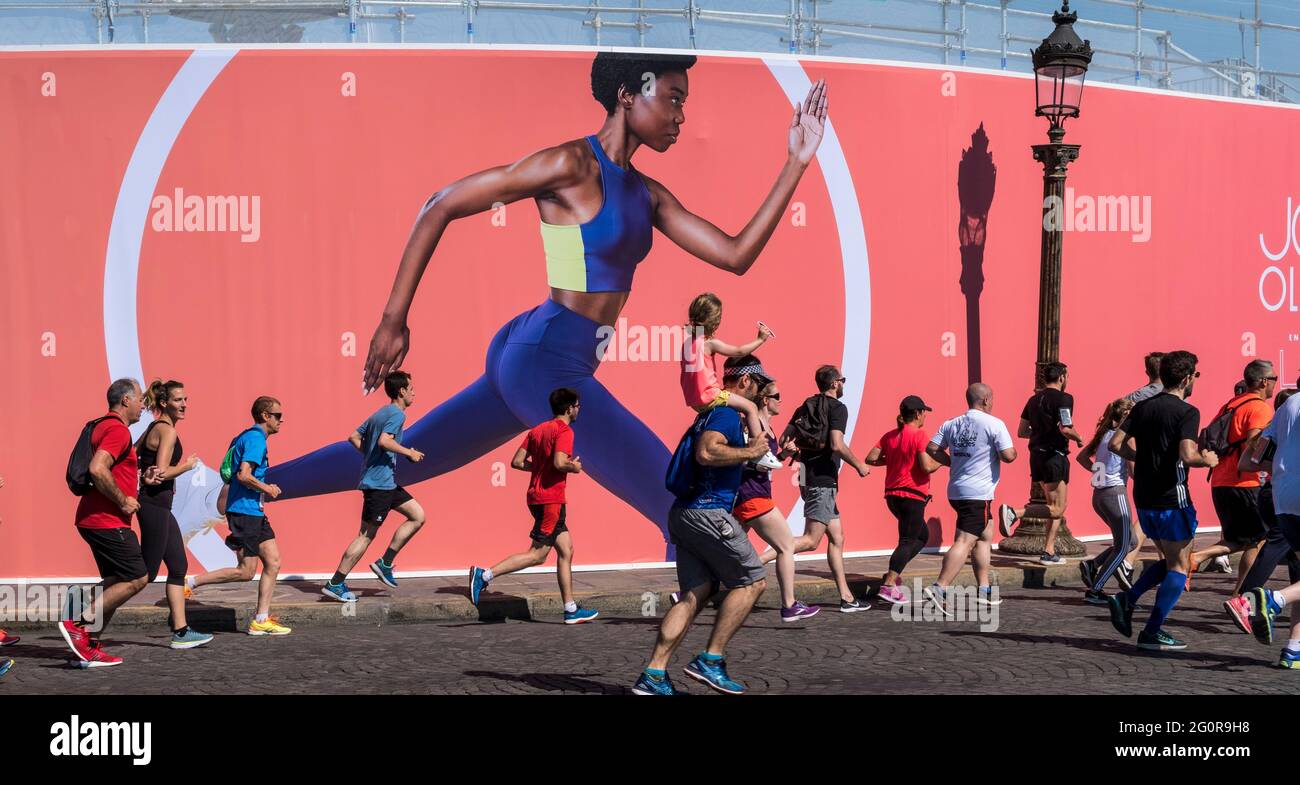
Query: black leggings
[
  {"x": 161, "y": 542},
  {"x": 912, "y": 534}
]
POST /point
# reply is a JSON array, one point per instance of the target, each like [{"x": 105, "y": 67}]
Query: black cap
[
  {"x": 761, "y": 377},
  {"x": 913, "y": 403}
]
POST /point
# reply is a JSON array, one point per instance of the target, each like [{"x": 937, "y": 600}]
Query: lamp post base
[{"x": 1030, "y": 535}]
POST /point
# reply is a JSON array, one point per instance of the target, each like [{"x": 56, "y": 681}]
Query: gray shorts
[
  {"x": 712, "y": 547},
  {"x": 819, "y": 503}
]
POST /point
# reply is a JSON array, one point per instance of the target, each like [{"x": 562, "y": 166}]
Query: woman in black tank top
[
  {"x": 162, "y": 493},
  {"x": 159, "y": 451}
]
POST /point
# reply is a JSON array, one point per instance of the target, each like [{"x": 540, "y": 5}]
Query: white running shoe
[
  {"x": 1006, "y": 518},
  {"x": 768, "y": 461}
]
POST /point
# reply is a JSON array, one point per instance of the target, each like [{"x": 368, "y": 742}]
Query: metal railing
[{"x": 1134, "y": 40}]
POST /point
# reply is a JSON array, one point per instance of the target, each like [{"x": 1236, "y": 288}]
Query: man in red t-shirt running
[
  {"x": 547, "y": 454},
  {"x": 104, "y": 522}
]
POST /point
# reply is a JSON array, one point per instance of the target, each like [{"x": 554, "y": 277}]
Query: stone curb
[{"x": 538, "y": 605}]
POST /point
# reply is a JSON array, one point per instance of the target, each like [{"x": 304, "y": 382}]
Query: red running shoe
[
  {"x": 78, "y": 639},
  {"x": 96, "y": 657},
  {"x": 8, "y": 640}
]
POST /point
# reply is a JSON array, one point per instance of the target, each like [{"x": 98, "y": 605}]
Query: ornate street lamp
[{"x": 1060, "y": 67}]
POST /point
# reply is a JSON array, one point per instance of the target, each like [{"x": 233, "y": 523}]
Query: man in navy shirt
[{"x": 712, "y": 547}]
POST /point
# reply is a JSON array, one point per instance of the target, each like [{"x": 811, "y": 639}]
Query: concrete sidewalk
[{"x": 230, "y": 606}]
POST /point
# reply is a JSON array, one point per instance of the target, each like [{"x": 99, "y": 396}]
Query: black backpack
[
  {"x": 810, "y": 427},
  {"x": 78, "y": 475},
  {"x": 1214, "y": 437}
]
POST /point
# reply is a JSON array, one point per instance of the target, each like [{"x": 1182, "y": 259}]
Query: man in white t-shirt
[
  {"x": 1277, "y": 451},
  {"x": 974, "y": 446}
]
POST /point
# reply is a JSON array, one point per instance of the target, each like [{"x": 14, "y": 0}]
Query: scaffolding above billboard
[{"x": 1137, "y": 42}]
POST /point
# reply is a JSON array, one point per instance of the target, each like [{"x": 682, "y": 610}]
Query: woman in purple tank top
[{"x": 756, "y": 510}]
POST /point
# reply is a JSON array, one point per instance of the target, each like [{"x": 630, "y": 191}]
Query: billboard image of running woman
[{"x": 597, "y": 213}]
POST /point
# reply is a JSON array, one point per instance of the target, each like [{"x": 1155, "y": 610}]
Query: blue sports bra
[{"x": 601, "y": 255}]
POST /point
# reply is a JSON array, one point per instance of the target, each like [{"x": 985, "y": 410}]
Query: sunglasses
[
  {"x": 774, "y": 396},
  {"x": 279, "y": 416}
]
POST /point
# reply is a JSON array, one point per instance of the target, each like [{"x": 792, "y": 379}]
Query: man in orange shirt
[{"x": 1236, "y": 494}]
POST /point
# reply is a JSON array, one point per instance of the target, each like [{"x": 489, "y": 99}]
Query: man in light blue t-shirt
[{"x": 379, "y": 439}]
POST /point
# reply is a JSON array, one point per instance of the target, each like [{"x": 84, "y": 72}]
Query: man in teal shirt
[{"x": 379, "y": 439}]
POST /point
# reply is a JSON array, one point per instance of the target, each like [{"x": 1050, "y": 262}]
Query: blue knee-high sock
[
  {"x": 1171, "y": 588},
  {"x": 1150, "y": 577}
]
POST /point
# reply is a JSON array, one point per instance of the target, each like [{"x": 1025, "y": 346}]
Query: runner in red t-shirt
[
  {"x": 104, "y": 522},
  {"x": 547, "y": 454},
  {"x": 907, "y": 489}
]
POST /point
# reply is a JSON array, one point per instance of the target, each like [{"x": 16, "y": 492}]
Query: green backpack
[{"x": 228, "y": 465}]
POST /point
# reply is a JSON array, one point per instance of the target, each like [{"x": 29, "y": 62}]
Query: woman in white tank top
[{"x": 1110, "y": 475}]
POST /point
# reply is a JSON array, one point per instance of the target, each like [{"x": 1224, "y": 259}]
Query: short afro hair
[{"x": 612, "y": 70}]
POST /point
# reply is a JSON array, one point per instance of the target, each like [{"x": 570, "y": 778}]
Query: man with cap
[
  {"x": 713, "y": 549},
  {"x": 819, "y": 483},
  {"x": 907, "y": 489}
]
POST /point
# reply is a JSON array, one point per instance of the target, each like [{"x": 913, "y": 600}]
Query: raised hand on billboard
[
  {"x": 387, "y": 351},
  {"x": 808, "y": 124}
]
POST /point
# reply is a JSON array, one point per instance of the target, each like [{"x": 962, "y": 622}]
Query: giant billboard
[{"x": 234, "y": 218}]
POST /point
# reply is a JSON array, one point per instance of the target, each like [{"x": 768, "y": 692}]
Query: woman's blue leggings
[{"x": 536, "y": 352}]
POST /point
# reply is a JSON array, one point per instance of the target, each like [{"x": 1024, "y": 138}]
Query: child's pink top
[{"x": 699, "y": 373}]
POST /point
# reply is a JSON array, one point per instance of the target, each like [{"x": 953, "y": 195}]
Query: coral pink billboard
[{"x": 235, "y": 218}]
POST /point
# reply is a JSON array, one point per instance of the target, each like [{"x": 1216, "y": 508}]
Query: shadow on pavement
[{"x": 553, "y": 682}]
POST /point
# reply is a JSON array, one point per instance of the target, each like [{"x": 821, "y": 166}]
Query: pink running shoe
[
  {"x": 1238, "y": 609},
  {"x": 893, "y": 594}
]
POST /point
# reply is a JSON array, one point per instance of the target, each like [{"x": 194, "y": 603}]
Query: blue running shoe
[
  {"x": 1289, "y": 659},
  {"x": 476, "y": 584},
  {"x": 338, "y": 592},
  {"x": 7, "y": 664},
  {"x": 649, "y": 685},
  {"x": 384, "y": 573},
  {"x": 190, "y": 639},
  {"x": 714, "y": 675},
  {"x": 580, "y": 615},
  {"x": 1159, "y": 641},
  {"x": 1261, "y": 623}
]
